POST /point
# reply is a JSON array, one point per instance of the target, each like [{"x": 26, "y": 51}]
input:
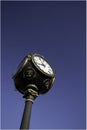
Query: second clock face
[{"x": 42, "y": 64}]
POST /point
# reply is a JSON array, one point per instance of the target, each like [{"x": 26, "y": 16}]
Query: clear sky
[{"x": 56, "y": 30}]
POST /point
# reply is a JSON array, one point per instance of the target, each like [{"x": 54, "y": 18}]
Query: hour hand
[{"x": 41, "y": 64}]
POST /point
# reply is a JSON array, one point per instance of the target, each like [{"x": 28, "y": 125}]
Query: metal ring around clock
[{"x": 50, "y": 75}]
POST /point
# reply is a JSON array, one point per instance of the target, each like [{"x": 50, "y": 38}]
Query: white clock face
[{"x": 43, "y": 65}]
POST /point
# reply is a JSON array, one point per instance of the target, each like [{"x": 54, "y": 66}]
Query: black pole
[
  {"x": 30, "y": 96},
  {"x": 26, "y": 115}
]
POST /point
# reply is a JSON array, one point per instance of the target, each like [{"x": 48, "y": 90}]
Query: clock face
[
  {"x": 42, "y": 65},
  {"x": 22, "y": 64}
]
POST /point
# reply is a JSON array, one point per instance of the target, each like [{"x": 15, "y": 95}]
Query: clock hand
[{"x": 41, "y": 64}]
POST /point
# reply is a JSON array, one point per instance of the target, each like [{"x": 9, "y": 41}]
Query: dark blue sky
[{"x": 56, "y": 30}]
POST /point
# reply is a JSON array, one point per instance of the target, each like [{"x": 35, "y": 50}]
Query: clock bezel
[
  {"x": 21, "y": 65},
  {"x": 50, "y": 75}
]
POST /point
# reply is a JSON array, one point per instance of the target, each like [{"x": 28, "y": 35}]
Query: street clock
[
  {"x": 34, "y": 76},
  {"x": 34, "y": 72}
]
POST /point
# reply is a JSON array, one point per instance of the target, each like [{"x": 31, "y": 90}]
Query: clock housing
[{"x": 34, "y": 74}]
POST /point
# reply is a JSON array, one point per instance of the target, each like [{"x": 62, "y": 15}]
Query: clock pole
[
  {"x": 25, "y": 123},
  {"x": 29, "y": 96},
  {"x": 34, "y": 76}
]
